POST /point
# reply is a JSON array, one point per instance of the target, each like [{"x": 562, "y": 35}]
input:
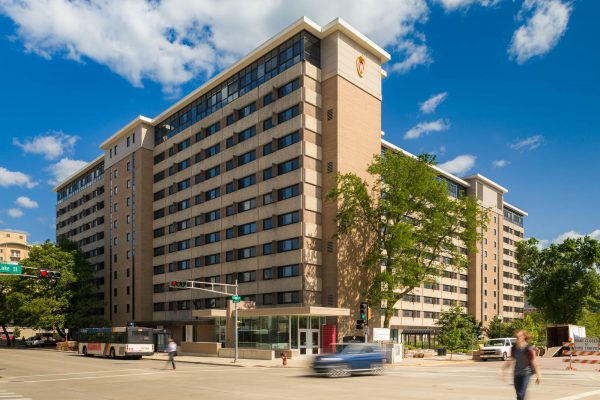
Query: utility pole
[{"x": 235, "y": 305}]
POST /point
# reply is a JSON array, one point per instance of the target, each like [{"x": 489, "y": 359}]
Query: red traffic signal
[
  {"x": 178, "y": 284},
  {"x": 48, "y": 274}
]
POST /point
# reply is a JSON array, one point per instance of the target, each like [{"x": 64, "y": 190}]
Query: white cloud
[
  {"x": 595, "y": 234},
  {"x": 414, "y": 54},
  {"x": 529, "y": 143},
  {"x": 63, "y": 169},
  {"x": 26, "y": 202},
  {"x": 52, "y": 144},
  {"x": 452, "y": 5},
  {"x": 423, "y": 128},
  {"x": 14, "y": 212},
  {"x": 546, "y": 23},
  {"x": 173, "y": 41},
  {"x": 500, "y": 163},
  {"x": 15, "y": 178},
  {"x": 430, "y": 105},
  {"x": 459, "y": 165}
]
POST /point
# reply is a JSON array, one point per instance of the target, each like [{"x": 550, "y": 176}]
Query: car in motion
[{"x": 349, "y": 359}]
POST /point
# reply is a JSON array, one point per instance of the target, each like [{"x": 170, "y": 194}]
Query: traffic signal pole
[{"x": 235, "y": 299}]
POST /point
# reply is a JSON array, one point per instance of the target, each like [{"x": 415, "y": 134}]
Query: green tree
[
  {"x": 65, "y": 302},
  {"x": 591, "y": 321},
  {"x": 12, "y": 297},
  {"x": 455, "y": 320},
  {"x": 562, "y": 280},
  {"x": 497, "y": 328},
  {"x": 406, "y": 221}
]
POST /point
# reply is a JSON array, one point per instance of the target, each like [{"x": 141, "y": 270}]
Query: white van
[{"x": 499, "y": 348}]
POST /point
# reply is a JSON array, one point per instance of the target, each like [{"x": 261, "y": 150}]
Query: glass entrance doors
[{"x": 309, "y": 341}]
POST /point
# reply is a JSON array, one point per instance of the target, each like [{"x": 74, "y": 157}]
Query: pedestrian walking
[
  {"x": 525, "y": 363},
  {"x": 171, "y": 350}
]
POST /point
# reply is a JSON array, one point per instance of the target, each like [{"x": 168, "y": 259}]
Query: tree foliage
[
  {"x": 532, "y": 323},
  {"x": 408, "y": 223},
  {"x": 457, "y": 328},
  {"x": 48, "y": 303},
  {"x": 562, "y": 280}
]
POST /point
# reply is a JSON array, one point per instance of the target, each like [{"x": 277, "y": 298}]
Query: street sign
[
  {"x": 11, "y": 269},
  {"x": 236, "y": 299},
  {"x": 587, "y": 344},
  {"x": 381, "y": 334}
]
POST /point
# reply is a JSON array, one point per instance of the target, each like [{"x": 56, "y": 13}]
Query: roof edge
[
  {"x": 132, "y": 124},
  {"x": 488, "y": 181},
  {"x": 506, "y": 204},
  {"x": 78, "y": 172}
]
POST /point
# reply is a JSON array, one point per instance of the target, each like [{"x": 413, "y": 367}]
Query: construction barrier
[
  {"x": 583, "y": 353},
  {"x": 577, "y": 360}
]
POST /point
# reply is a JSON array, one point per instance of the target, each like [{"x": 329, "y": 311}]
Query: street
[{"x": 49, "y": 375}]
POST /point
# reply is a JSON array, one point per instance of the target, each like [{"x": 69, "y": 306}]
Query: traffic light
[
  {"x": 178, "y": 284},
  {"x": 360, "y": 324},
  {"x": 364, "y": 312},
  {"x": 48, "y": 274}
]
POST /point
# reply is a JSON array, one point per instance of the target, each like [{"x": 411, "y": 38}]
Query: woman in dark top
[{"x": 525, "y": 362}]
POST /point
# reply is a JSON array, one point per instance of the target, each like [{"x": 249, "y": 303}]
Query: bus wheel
[
  {"x": 112, "y": 352},
  {"x": 84, "y": 351}
]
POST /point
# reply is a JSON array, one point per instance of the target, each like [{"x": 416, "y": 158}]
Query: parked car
[
  {"x": 40, "y": 341},
  {"x": 349, "y": 359},
  {"x": 499, "y": 349}
]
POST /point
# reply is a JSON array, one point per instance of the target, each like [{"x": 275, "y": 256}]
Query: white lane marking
[
  {"x": 79, "y": 373},
  {"x": 580, "y": 396},
  {"x": 94, "y": 377}
]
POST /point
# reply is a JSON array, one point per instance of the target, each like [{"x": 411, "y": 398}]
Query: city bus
[{"x": 116, "y": 342}]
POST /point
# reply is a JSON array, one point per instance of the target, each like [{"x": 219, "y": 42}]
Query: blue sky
[{"x": 513, "y": 86}]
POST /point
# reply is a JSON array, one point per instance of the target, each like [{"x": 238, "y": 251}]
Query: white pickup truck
[{"x": 499, "y": 348}]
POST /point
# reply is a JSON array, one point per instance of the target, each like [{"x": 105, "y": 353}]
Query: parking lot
[{"x": 45, "y": 374}]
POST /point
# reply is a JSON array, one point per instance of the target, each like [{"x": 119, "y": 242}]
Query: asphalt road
[{"x": 49, "y": 375}]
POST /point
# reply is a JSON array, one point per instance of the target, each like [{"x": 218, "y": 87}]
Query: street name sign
[
  {"x": 10, "y": 269},
  {"x": 586, "y": 344},
  {"x": 236, "y": 299}
]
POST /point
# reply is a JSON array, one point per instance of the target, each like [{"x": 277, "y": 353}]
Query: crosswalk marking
[{"x": 4, "y": 395}]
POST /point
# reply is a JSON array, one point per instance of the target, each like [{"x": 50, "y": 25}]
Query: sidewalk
[{"x": 228, "y": 362}]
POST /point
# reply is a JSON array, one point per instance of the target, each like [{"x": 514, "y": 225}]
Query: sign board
[
  {"x": 586, "y": 344},
  {"x": 10, "y": 269},
  {"x": 381, "y": 334},
  {"x": 236, "y": 299}
]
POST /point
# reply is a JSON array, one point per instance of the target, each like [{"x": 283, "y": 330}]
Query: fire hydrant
[{"x": 284, "y": 359}]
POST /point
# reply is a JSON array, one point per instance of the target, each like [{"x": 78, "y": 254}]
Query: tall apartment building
[
  {"x": 228, "y": 184},
  {"x": 80, "y": 217},
  {"x": 13, "y": 247}
]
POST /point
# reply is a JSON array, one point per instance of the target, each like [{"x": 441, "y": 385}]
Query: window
[
  {"x": 229, "y": 187},
  {"x": 246, "y": 205},
  {"x": 268, "y": 298},
  {"x": 214, "y": 128},
  {"x": 246, "y": 134},
  {"x": 212, "y": 194},
  {"x": 288, "y": 140},
  {"x": 230, "y": 119},
  {"x": 267, "y": 174},
  {"x": 288, "y": 114},
  {"x": 213, "y": 150},
  {"x": 287, "y": 271},
  {"x": 229, "y": 233},
  {"x": 212, "y": 237},
  {"x": 267, "y": 249},
  {"x": 248, "y": 276},
  {"x": 128, "y": 166},
  {"x": 212, "y": 216},
  {"x": 288, "y": 245},
  {"x": 229, "y": 211},
  {"x": 267, "y": 124},
  {"x": 212, "y": 259},
  {"x": 267, "y": 274},
  {"x": 128, "y": 201},
  {"x": 288, "y": 192},
  {"x": 183, "y": 244},
  {"x": 183, "y": 145},
  {"x": 212, "y": 172},
  {"x": 245, "y": 111},
  {"x": 184, "y": 184},
  {"x": 289, "y": 218},
  {"x": 267, "y": 198},
  {"x": 267, "y": 149},
  {"x": 288, "y": 166},
  {"x": 288, "y": 88},
  {"x": 183, "y": 265},
  {"x": 159, "y": 269},
  {"x": 184, "y": 204},
  {"x": 247, "y": 181},
  {"x": 247, "y": 229},
  {"x": 246, "y": 158},
  {"x": 229, "y": 256},
  {"x": 247, "y": 252},
  {"x": 268, "y": 99},
  {"x": 229, "y": 142},
  {"x": 267, "y": 224},
  {"x": 288, "y": 297}
]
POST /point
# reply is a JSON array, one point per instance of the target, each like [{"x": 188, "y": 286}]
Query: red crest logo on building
[{"x": 361, "y": 65}]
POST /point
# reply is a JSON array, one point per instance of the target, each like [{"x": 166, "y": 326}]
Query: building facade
[
  {"x": 227, "y": 186},
  {"x": 13, "y": 247}
]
